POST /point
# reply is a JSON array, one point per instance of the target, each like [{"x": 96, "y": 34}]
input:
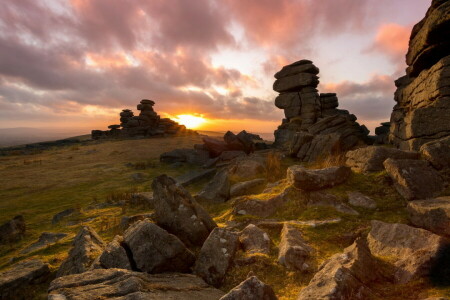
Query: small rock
[
  {"x": 254, "y": 240},
  {"x": 294, "y": 252},
  {"x": 310, "y": 180},
  {"x": 360, "y": 200},
  {"x": 247, "y": 187},
  {"x": 12, "y": 230},
  {"x": 45, "y": 239},
  {"x": 251, "y": 289},
  {"x": 431, "y": 214},
  {"x": 218, "y": 189},
  {"x": 59, "y": 216},
  {"x": 257, "y": 207},
  {"x": 114, "y": 256}
]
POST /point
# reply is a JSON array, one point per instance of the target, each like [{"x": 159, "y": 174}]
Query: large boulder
[
  {"x": 218, "y": 189},
  {"x": 247, "y": 187},
  {"x": 214, "y": 146},
  {"x": 431, "y": 214},
  {"x": 254, "y": 240},
  {"x": 125, "y": 284},
  {"x": 12, "y": 230},
  {"x": 87, "y": 245},
  {"x": 154, "y": 250},
  {"x": 178, "y": 212},
  {"x": 114, "y": 256},
  {"x": 345, "y": 276},
  {"x": 414, "y": 179},
  {"x": 438, "y": 154},
  {"x": 310, "y": 180},
  {"x": 216, "y": 255},
  {"x": 413, "y": 251},
  {"x": 294, "y": 252},
  {"x": 371, "y": 158},
  {"x": 16, "y": 282},
  {"x": 251, "y": 289},
  {"x": 247, "y": 169}
]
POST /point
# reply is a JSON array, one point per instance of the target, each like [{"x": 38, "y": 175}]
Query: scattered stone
[
  {"x": 414, "y": 179},
  {"x": 87, "y": 245},
  {"x": 326, "y": 199},
  {"x": 178, "y": 212},
  {"x": 254, "y": 240},
  {"x": 431, "y": 214},
  {"x": 216, "y": 255},
  {"x": 12, "y": 230},
  {"x": 411, "y": 250},
  {"x": 192, "y": 177},
  {"x": 125, "y": 284},
  {"x": 114, "y": 256},
  {"x": 15, "y": 282},
  {"x": 247, "y": 187},
  {"x": 154, "y": 250},
  {"x": 191, "y": 156},
  {"x": 218, "y": 189},
  {"x": 360, "y": 200},
  {"x": 248, "y": 169},
  {"x": 294, "y": 252},
  {"x": 370, "y": 159},
  {"x": 127, "y": 221},
  {"x": 251, "y": 289},
  {"x": 345, "y": 276},
  {"x": 310, "y": 180},
  {"x": 65, "y": 213},
  {"x": 45, "y": 239},
  {"x": 258, "y": 207}
]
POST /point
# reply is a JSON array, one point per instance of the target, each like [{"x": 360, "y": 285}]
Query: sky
[{"x": 75, "y": 64}]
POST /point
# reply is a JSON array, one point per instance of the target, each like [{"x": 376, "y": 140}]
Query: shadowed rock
[
  {"x": 218, "y": 189},
  {"x": 310, "y": 180},
  {"x": 431, "y": 214},
  {"x": 114, "y": 256},
  {"x": 247, "y": 187},
  {"x": 294, "y": 252},
  {"x": 254, "y": 240},
  {"x": 251, "y": 289},
  {"x": 12, "y": 230}
]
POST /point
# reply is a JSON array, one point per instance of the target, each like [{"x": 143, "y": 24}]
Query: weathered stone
[
  {"x": 191, "y": 156},
  {"x": 371, "y": 158},
  {"x": 218, "y": 189},
  {"x": 297, "y": 69},
  {"x": 360, "y": 200},
  {"x": 414, "y": 179},
  {"x": 178, "y": 212},
  {"x": 411, "y": 250},
  {"x": 87, "y": 245},
  {"x": 214, "y": 146},
  {"x": 216, "y": 255},
  {"x": 345, "y": 276},
  {"x": 114, "y": 255},
  {"x": 254, "y": 240},
  {"x": 295, "y": 82},
  {"x": 310, "y": 180},
  {"x": 319, "y": 198},
  {"x": 247, "y": 169},
  {"x": 45, "y": 239},
  {"x": 287, "y": 100},
  {"x": 195, "y": 176},
  {"x": 438, "y": 154},
  {"x": 247, "y": 187},
  {"x": 258, "y": 207},
  {"x": 65, "y": 213},
  {"x": 125, "y": 284},
  {"x": 155, "y": 250},
  {"x": 251, "y": 289},
  {"x": 294, "y": 252},
  {"x": 12, "y": 230},
  {"x": 15, "y": 282},
  {"x": 127, "y": 221},
  {"x": 431, "y": 214}
]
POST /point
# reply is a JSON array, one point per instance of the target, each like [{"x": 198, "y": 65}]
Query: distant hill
[{"x": 25, "y": 135}]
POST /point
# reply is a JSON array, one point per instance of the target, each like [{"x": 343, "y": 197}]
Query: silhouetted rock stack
[
  {"x": 313, "y": 125},
  {"x": 148, "y": 123},
  {"x": 382, "y": 133},
  {"x": 422, "y": 112}
]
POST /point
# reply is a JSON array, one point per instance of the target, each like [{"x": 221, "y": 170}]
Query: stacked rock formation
[
  {"x": 148, "y": 123},
  {"x": 382, "y": 133},
  {"x": 422, "y": 112},
  {"x": 313, "y": 124}
]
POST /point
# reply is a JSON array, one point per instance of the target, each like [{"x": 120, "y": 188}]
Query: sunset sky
[{"x": 77, "y": 63}]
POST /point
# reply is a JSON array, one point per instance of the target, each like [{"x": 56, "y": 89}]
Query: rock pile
[
  {"x": 422, "y": 111},
  {"x": 313, "y": 125},
  {"x": 148, "y": 123}
]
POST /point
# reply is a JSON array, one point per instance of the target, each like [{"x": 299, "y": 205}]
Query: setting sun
[{"x": 190, "y": 121}]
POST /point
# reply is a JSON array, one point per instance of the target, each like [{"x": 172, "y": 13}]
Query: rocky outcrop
[
  {"x": 345, "y": 276},
  {"x": 254, "y": 240},
  {"x": 414, "y": 179},
  {"x": 12, "y": 230},
  {"x": 154, "y": 250},
  {"x": 125, "y": 284},
  {"x": 411, "y": 250},
  {"x": 422, "y": 111},
  {"x": 371, "y": 159},
  {"x": 382, "y": 133},
  {"x": 251, "y": 289},
  {"x": 178, "y": 212},
  {"x": 216, "y": 255},
  {"x": 294, "y": 252},
  {"x": 87, "y": 245},
  {"x": 431, "y": 214},
  {"x": 311, "y": 180}
]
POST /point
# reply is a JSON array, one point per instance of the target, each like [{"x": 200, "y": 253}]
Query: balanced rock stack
[
  {"x": 313, "y": 125},
  {"x": 148, "y": 123},
  {"x": 422, "y": 112}
]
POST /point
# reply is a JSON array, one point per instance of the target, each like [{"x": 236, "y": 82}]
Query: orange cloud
[
  {"x": 392, "y": 39},
  {"x": 117, "y": 60}
]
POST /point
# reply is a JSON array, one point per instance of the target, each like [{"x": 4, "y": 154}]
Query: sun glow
[{"x": 190, "y": 121}]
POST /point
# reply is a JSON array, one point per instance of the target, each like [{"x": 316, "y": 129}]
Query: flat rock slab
[
  {"x": 311, "y": 180},
  {"x": 46, "y": 239},
  {"x": 360, "y": 200},
  {"x": 431, "y": 214},
  {"x": 251, "y": 289},
  {"x": 125, "y": 284},
  {"x": 13, "y": 282},
  {"x": 218, "y": 189},
  {"x": 247, "y": 187},
  {"x": 414, "y": 179}
]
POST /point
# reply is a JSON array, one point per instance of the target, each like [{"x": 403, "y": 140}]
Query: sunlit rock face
[{"x": 422, "y": 111}]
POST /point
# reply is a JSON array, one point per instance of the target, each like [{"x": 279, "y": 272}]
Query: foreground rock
[
  {"x": 414, "y": 179},
  {"x": 114, "y": 256},
  {"x": 345, "y": 276},
  {"x": 360, "y": 200},
  {"x": 45, "y": 239},
  {"x": 251, "y": 289},
  {"x": 15, "y": 282},
  {"x": 87, "y": 245},
  {"x": 216, "y": 255},
  {"x": 247, "y": 187},
  {"x": 310, "y": 180},
  {"x": 411, "y": 250},
  {"x": 371, "y": 159},
  {"x": 125, "y": 284},
  {"x": 255, "y": 206},
  {"x": 246, "y": 169},
  {"x": 154, "y": 250},
  {"x": 218, "y": 189},
  {"x": 12, "y": 230},
  {"x": 321, "y": 198},
  {"x": 431, "y": 214},
  {"x": 178, "y": 212},
  {"x": 254, "y": 240},
  {"x": 294, "y": 252},
  {"x": 438, "y": 154}
]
